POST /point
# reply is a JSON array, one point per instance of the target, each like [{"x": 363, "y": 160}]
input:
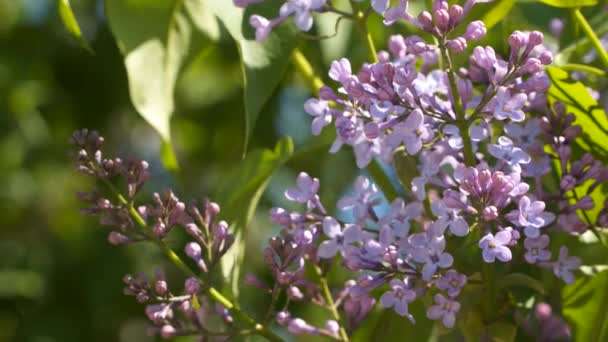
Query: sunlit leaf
[
  {"x": 239, "y": 195},
  {"x": 590, "y": 116},
  {"x": 264, "y": 63},
  {"x": 495, "y": 15},
  {"x": 69, "y": 21},
  {"x": 569, "y": 3},
  {"x": 584, "y": 305},
  {"x": 340, "y": 32},
  {"x": 154, "y": 37}
]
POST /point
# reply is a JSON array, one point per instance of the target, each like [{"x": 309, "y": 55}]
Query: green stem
[
  {"x": 330, "y": 302},
  {"x": 584, "y": 68},
  {"x": 361, "y": 26},
  {"x": 259, "y": 329},
  {"x": 580, "y": 18},
  {"x": 461, "y": 120},
  {"x": 306, "y": 70},
  {"x": 488, "y": 273}
]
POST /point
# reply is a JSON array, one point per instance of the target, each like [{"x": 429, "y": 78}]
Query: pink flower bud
[
  {"x": 193, "y": 250},
  {"x": 117, "y": 238},
  {"x": 168, "y": 331},
  {"x": 192, "y": 286}
]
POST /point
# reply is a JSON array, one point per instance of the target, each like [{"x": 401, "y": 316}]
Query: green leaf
[
  {"x": 521, "y": 280},
  {"x": 590, "y": 116},
  {"x": 502, "y": 331},
  {"x": 239, "y": 195},
  {"x": 392, "y": 327},
  {"x": 263, "y": 63},
  {"x": 495, "y": 15},
  {"x": 569, "y": 3},
  {"x": 154, "y": 38},
  {"x": 584, "y": 305},
  {"x": 69, "y": 21},
  {"x": 340, "y": 33},
  {"x": 17, "y": 283}
]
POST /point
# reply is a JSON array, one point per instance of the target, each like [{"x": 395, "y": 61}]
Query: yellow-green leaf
[
  {"x": 71, "y": 25},
  {"x": 569, "y": 3}
]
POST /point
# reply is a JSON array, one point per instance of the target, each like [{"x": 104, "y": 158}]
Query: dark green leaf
[
  {"x": 239, "y": 197},
  {"x": 392, "y": 327},
  {"x": 521, "y": 280},
  {"x": 69, "y": 21},
  {"x": 569, "y": 3},
  {"x": 584, "y": 305},
  {"x": 502, "y": 331},
  {"x": 263, "y": 63}
]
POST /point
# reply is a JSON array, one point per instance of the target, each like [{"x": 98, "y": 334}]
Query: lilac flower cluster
[
  {"x": 189, "y": 313},
  {"x": 479, "y": 135}
]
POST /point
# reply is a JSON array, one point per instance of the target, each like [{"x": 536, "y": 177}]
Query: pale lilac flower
[
  {"x": 509, "y": 106},
  {"x": 302, "y": 11},
  {"x": 382, "y": 109},
  {"x": 565, "y": 264},
  {"x": 340, "y": 70},
  {"x": 399, "y": 216},
  {"x": 321, "y": 112},
  {"x": 399, "y": 12},
  {"x": 525, "y": 135},
  {"x": 531, "y": 215},
  {"x": 452, "y": 282},
  {"x": 535, "y": 249},
  {"x": 444, "y": 309},
  {"x": 410, "y": 133},
  {"x": 380, "y": 6},
  {"x": 505, "y": 150},
  {"x": 449, "y": 218},
  {"x": 262, "y": 27},
  {"x": 306, "y": 189},
  {"x": 495, "y": 247},
  {"x": 429, "y": 249},
  {"x": 362, "y": 200},
  {"x": 339, "y": 238},
  {"x": 399, "y": 296}
]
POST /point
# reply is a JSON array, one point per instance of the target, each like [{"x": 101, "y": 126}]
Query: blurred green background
[{"x": 59, "y": 278}]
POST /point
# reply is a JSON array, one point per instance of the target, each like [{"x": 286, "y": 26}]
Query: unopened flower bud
[
  {"x": 476, "y": 30},
  {"x": 332, "y": 327},
  {"x": 426, "y": 19},
  {"x": 117, "y": 238},
  {"x": 535, "y": 38},
  {"x": 283, "y": 317},
  {"x": 294, "y": 293},
  {"x": 546, "y": 57},
  {"x": 457, "y": 45},
  {"x": 442, "y": 18},
  {"x": 298, "y": 326},
  {"x": 517, "y": 40},
  {"x": 168, "y": 331},
  {"x": 193, "y": 250},
  {"x": 192, "y": 286}
]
